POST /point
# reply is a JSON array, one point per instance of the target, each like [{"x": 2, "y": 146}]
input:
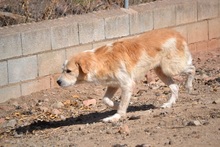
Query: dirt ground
[{"x": 61, "y": 117}]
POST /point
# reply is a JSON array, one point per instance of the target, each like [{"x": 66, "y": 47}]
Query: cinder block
[
  {"x": 202, "y": 46},
  {"x": 183, "y": 31},
  {"x": 214, "y": 28},
  {"x": 186, "y": 12},
  {"x": 35, "y": 86},
  {"x": 141, "y": 18},
  {"x": 197, "y": 32},
  {"x": 116, "y": 23},
  {"x": 36, "y": 40},
  {"x": 192, "y": 47},
  {"x": 3, "y": 73},
  {"x": 198, "y": 49},
  {"x": 65, "y": 35},
  {"x": 12, "y": 91},
  {"x": 91, "y": 28},
  {"x": 214, "y": 44},
  {"x": 22, "y": 69},
  {"x": 76, "y": 49},
  {"x": 207, "y": 9},
  {"x": 10, "y": 46},
  {"x": 51, "y": 62},
  {"x": 164, "y": 15},
  {"x": 117, "y": 26}
]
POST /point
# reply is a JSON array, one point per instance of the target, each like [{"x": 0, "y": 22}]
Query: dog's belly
[{"x": 143, "y": 66}]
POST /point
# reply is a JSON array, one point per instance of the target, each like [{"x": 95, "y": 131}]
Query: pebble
[
  {"x": 67, "y": 103},
  {"x": 89, "y": 102},
  {"x": 44, "y": 109},
  {"x": 39, "y": 104},
  {"x": 62, "y": 117},
  {"x": 56, "y": 112},
  {"x": 46, "y": 100},
  {"x": 168, "y": 142},
  {"x": 216, "y": 101},
  {"x": 58, "y": 105},
  {"x": 108, "y": 132},
  {"x": 194, "y": 123},
  {"x": 11, "y": 123},
  {"x": 16, "y": 135},
  {"x": 124, "y": 129},
  {"x": 2, "y": 120}
]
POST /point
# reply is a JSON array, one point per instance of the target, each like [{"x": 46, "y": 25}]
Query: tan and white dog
[{"x": 120, "y": 64}]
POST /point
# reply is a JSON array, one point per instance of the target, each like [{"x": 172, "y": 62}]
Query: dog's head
[
  {"x": 69, "y": 74},
  {"x": 74, "y": 71}
]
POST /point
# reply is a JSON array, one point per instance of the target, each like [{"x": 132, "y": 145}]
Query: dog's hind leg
[
  {"x": 108, "y": 95},
  {"x": 173, "y": 87},
  {"x": 190, "y": 71}
]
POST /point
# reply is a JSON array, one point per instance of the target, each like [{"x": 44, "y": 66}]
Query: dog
[{"x": 122, "y": 63}]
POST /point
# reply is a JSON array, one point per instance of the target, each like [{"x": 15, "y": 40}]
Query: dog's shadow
[{"x": 82, "y": 119}]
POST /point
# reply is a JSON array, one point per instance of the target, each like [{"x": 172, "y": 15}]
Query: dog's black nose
[{"x": 59, "y": 82}]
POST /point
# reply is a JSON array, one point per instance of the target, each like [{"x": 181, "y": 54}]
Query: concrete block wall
[{"x": 31, "y": 55}]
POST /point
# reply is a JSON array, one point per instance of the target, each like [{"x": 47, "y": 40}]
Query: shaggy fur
[{"x": 121, "y": 64}]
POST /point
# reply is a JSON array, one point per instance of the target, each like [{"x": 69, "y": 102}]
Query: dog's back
[{"x": 163, "y": 48}]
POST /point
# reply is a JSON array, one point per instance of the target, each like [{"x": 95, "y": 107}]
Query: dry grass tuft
[{"x": 23, "y": 11}]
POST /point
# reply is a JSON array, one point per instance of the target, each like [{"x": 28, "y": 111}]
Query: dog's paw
[
  {"x": 113, "y": 118},
  {"x": 166, "y": 105}
]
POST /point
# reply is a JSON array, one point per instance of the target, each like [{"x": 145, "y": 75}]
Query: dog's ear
[{"x": 84, "y": 66}]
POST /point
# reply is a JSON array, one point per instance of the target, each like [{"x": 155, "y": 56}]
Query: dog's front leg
[
  {"x": 125, "y": 99},
  {"x": 108, "y": 95}
]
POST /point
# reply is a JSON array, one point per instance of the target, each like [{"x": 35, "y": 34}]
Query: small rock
[
  {"x": 16, "y": 135},
  {"x": 44, "y": 109},
  {"x": 58, "y": 105},
  {"x": 216, "y": 101},
  {"x": 56, "y": 112},
  {"x": 124, "y": 129},
  {"x": 11, "y": 123},
  {"x": 204, "y": 122},
  {"x": 194, "y": 123},
  {"x": 62, "y": 117},
  {"x": 2, "y": 120},
  {"x": 195, "y": 103},
  {"x": 75, "y": 96},
  {"x": 157, "y": 94},
  {"x": 89, "y": 102},
  {"x": 108, "y": 132},
  {"x": 67, "y": 103},
  {"x": 46, "y": 100},
  {"x": 168, "y": 142},
  {"x": 39, "y": 104}
]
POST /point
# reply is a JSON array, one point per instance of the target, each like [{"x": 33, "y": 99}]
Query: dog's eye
[{"x": 68, "y": 71}]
